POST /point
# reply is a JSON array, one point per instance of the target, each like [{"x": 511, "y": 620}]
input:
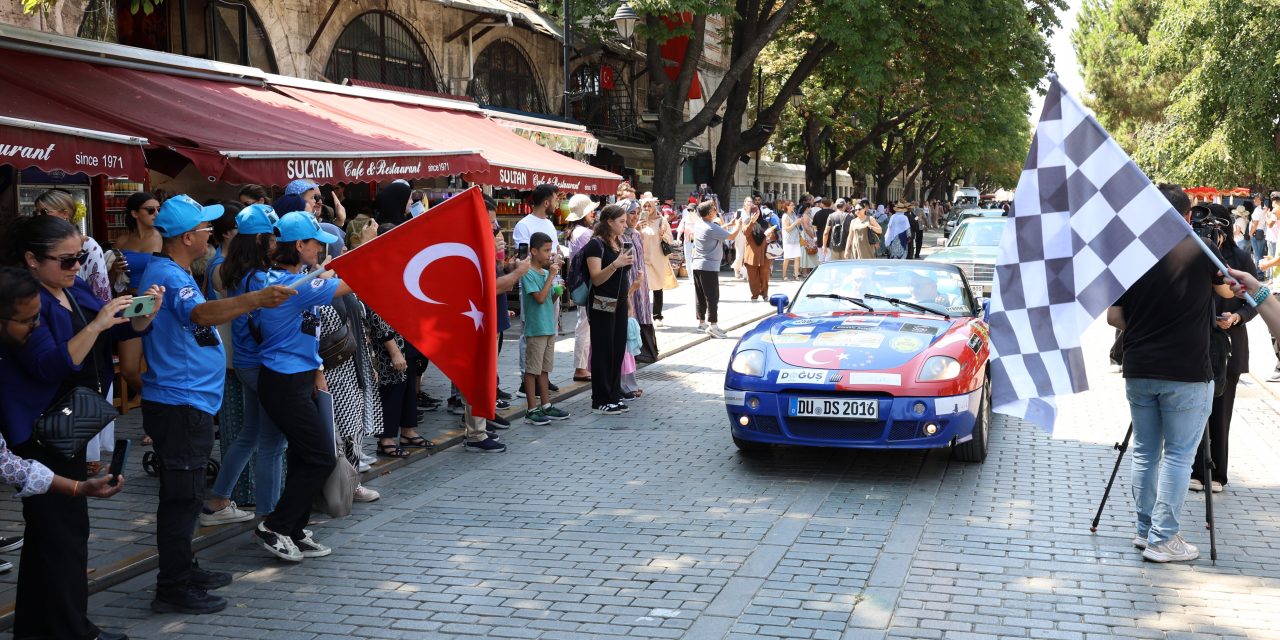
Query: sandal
[
  {"x": 146, "y": 441},
  {"x": 392, "y": 451},
  {"x": 418, "y": 442}
]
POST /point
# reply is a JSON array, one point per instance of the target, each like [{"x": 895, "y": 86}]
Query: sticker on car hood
[{"x": 802, "y": 376}]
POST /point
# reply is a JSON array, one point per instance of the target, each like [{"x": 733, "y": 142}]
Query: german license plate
[{"x": 847, "y": 408}]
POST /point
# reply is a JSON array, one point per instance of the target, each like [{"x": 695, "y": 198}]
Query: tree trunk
[{"x": 666, "y": 169}]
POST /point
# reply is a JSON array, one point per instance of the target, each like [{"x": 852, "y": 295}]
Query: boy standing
[{"x": 538, "y": 306}]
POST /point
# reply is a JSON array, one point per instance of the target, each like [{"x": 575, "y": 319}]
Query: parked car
[
  {"x": 959, "y": 215},
  {"x": 878, "y": 354},
  {"x": 974, "y": 247}
]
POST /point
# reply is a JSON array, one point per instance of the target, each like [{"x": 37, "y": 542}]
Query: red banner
[
  {"x": 432, "y": 279},
  {"x": 673, "y": 51}
]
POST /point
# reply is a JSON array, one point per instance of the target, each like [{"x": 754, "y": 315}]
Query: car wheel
[
  {"x": 749, "y": 447},
  {"x": 975, "y": 450}
]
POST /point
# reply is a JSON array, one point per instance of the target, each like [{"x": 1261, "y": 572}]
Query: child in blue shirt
[{"x": 538, "y": 306}]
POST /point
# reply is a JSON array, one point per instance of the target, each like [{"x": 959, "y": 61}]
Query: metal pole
[{"x": 566, "y": 59}]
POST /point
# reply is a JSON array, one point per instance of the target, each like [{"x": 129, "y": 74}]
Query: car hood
[
  {"x": 855, "y": 341},
  {"x": 972, "y": 254}
]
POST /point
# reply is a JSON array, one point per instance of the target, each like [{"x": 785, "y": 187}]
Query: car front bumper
[{"x": 903, "y": 422}]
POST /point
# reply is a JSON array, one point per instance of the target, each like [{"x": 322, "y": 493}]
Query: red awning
[
  {"x": 53, "y": 137},
  {"x": 514, "y": 161},
  {"x": 238, "y": 133}
]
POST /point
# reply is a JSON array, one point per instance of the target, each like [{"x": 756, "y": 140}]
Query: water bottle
[{"x": 557, "y": 286}]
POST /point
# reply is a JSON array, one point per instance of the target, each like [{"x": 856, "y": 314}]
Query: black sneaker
[
  {"x": 189, "y": 599},
  {"x": 607, "y": 410},
  {"x": 427, "y": 402},
  {"x": 503, "y": 395},
  {"x": 502, "y": 404},
  {"x": 622, "y": 406},
  {"x": 11, "y": 543},
  {"x": 498, "y": 423},
  {"x": 209, "y": 580},
  {"x": 488, "y": 445},
  {"x": 455, "y": 407},
  {"x": 279, "y": 546},
  {"x": 110, "y": 635},
  {"x": 5, "y": 566},
  {"x": 309, "y": 547},
  {"x": 551, "y": 386}
]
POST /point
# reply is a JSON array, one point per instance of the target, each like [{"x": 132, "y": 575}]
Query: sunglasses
[
  {"x": 69, "y": 262},
  {"x": 150, "y": 210}
]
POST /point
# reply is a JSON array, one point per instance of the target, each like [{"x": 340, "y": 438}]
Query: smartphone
[
  {"x": 141, "y": 306},
  {"x": 626, "y": 245},
  {"x": 522, "y": 250},
  {"x": 117, "y": 461}
]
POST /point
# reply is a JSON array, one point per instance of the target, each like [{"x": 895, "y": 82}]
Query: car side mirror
[{"x": 780, "y": 302}]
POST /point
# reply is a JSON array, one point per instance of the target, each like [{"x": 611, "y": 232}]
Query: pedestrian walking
[
  {"x": 708, "y": 251},
  {"x": 860, "y": 228},
  {"x": 792, "y": 230},
  {"x": 655, "y": 232}
]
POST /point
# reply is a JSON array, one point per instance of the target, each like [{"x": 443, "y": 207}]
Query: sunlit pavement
[{"x": 652, "y": 525}]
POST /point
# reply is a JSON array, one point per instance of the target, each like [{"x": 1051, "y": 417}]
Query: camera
[{"x": 1211, "y": 222}]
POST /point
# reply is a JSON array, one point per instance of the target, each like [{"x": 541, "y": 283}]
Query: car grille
[
  {"x": 977, "y": 272},
  {"x": 818, "y": 429}
]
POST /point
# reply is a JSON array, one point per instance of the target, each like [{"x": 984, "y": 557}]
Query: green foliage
[
  {"x": 1188, "y": 88},
  {"x": 145, "y": 6}
]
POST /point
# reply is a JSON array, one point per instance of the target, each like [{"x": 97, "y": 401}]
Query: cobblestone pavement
[{"x": 650, "y": 525}]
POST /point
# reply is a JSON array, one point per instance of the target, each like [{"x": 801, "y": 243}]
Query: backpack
[
  {"x": 838, "y": 223},
  {"x": 578, "y": 279}
]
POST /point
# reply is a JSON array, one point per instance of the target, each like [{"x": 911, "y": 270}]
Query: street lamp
[
  {"x": 797, "y": 99},
  {"x": 625, "y": 18}
]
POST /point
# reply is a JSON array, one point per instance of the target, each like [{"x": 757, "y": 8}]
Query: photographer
[
  {"x": 1214, "y": 223},
  {"x": 1166, "y": 316}
]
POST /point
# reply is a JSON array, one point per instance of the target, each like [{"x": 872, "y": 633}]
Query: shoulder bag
[
  {"x": 73, "y": 420},
  {"x": 340, "y": 346}
]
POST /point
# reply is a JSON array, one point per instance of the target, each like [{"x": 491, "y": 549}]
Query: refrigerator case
[
  {"x": 115, "y": 195},
  {"x": 27, "y": 194}
]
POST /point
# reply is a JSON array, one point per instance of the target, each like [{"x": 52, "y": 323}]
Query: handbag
[
  {"x": 73, "y": 420},
  {"x": 339, "y": 488},
  {"x": 338, "y": 347},
  {"x": 667, "y": 248},
  {"x": 81, "y": 413}
]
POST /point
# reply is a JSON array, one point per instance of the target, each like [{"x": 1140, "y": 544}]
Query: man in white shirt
[
  {"x": 1258, "y": 229},
  {"x": 544, "y": 202}
]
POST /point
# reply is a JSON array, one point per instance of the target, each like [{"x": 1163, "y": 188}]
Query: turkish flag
[{"x": 432, "y": 279}]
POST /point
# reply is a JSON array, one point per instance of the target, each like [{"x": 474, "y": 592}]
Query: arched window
[
  {"x": 222, "y": 30},
  {"x": 378, "y": 47},
  {"x": 503, "y": 78}
]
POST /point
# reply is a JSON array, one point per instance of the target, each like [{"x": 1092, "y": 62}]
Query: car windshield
[
  {"x": 936, "y": 287},
  {"x": 978, "y": 233}
]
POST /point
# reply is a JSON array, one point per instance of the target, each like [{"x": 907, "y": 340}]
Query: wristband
[{"x": 1261, "y": 295}]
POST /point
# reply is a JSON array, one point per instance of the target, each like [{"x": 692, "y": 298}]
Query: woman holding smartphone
[
  {"x": 607, "y": 262},
  {"x": 68, "y": 346}
]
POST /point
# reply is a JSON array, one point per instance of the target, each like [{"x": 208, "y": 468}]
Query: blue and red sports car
[{"x": 877, "y": 354}]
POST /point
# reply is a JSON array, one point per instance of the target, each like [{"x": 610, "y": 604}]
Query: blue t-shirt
[
  {"x": 539, "y": 319},
  {"x": 291, "y": 331},
  {"x": 138, "y": 263},
  {"x": 504, "y": 321},
  {"x": 246, "y": 352},
  {"x": 186, "y": 364}
]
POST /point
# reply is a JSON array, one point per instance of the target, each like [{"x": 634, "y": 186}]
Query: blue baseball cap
[
  {"x": 181, "y": 214},
  {"x": 256, "y": 218},
  {"x": 299, "y": 186},
  {"x": 300, "y": 225}
]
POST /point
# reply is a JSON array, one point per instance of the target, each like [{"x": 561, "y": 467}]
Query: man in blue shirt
[{"x": 181, "y": 391}]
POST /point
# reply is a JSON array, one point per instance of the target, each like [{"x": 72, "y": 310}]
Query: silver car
[
  {"x": 973, "y": 247},
  {"x": 960, "y": 215}
]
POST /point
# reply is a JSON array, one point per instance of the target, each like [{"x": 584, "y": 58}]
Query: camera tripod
[{"x": 1206, "y": 471}]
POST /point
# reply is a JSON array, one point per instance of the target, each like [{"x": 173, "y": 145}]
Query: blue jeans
[
  {"x": 1168, "y": 421},
  {"x": 257, "y": 433},
  {"x": 1259, "y": 248}
]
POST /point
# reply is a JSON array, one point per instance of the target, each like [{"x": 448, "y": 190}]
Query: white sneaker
[
  {"x": 657, "y": 323},
  {"x": 1140, "y": 542},
  {"x": 1275, "y": 377},
  {"x": 1174, "y": 549},
  {"x": 715, "y": 332},
  {"x": 310, "y": 548},
  {"x": 702, "y": 326},
  {"x": 366, "y": 458},
  {"x": 1195, "y": 485},
  {"x": 279, "y": 546},
  {"x": 363, "y": 466},
  {"x": 226, "y": 515},
  {"x": 365, "y": 494}
]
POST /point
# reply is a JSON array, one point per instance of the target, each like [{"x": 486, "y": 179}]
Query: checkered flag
[{"x": 1086, "y": 224}]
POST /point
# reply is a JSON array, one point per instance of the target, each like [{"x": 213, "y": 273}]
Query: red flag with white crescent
[{"x": 433, "y": 280}]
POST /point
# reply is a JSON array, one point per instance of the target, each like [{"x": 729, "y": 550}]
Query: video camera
[{"x": 1212, "y": 222}]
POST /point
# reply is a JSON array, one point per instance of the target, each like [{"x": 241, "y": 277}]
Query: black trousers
[
  {"x": 1218, "y": 430},
  {"x": 399, "y": 407},
  {"x": 608, "y": 340},
  {"x": 706, "y": 292},
  {"x": 183, "y": 440},
  {"x": 291, "y": 405},
  {"x": 657, "y": 304},
  {"x": 53, "y": 592},
  {"x": 914, "y": 244}
]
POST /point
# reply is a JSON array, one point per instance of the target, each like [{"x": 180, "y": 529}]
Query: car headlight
[
  {"x": 939, "y": 368},
  {"x": 749, "y": 362}
]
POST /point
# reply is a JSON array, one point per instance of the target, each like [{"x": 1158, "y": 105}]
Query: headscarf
[
  {"x": 391, "y": 201},
  {"x": 898, "y": 223}
]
